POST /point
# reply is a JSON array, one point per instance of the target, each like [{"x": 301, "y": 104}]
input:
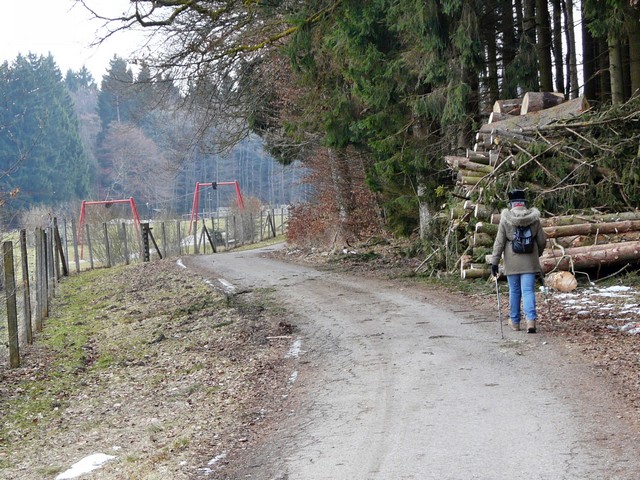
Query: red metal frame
[
  {"x": 130, "y": 201},
  {"x": 196, "y": 198}
]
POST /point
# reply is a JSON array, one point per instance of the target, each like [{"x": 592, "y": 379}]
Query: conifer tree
[{"x": 41, "y": 154}]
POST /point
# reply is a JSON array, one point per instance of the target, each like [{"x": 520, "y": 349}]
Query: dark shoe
[{"x": 531, "y": 326}]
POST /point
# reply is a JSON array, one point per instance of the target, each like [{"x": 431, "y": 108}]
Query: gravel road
[{"x": 390, "y": 382}]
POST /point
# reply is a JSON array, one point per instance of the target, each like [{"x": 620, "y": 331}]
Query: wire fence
[{"x": 34, "y": 262}]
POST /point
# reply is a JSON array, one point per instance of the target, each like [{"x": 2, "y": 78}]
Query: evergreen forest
[{"x": 68, "y": 139}]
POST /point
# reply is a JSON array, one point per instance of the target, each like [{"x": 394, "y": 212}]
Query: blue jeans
[{"x": 522, "y": 287}]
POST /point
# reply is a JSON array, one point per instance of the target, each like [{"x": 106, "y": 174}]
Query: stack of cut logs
[
  {"x": 511, "y": 120},
  {"x": 574, "y": 241}
]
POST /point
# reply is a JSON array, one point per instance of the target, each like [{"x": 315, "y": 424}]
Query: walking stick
[{"x": 499, "y": 309}]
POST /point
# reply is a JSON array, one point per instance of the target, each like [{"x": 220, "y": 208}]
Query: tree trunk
[
  {"x": 424, "y": 212},
  {"x": 536, "y": 101},
  {"x": 529, "y": 63},
  {"x": 475, "y": 273},
  {"x": 590, "y": 61},
  {"x": 481, "y": 239},
  {"x": 557, "y": 45},
  {"x": 496, "y": 117},
  {"x": 508, "y": 107},
  {"x": 509, "y": 48},
  {"x": 600, "y": 239},
  {"x": 532, "y": 121},
  {"x": 593, "y": 228},
  {"x": 465, "y": 164},
  {"x": 491, "y": 61},
  {"x": 341, "y": 180},
  {"x": 604, "y": 77},
  {"x": 593, "y": 257},
  {"x": 543, "y": 46},
  {"x": 573, "y": 87},
  {"x": 615, "y": 70},
  {"x": 632, "y": 24}
]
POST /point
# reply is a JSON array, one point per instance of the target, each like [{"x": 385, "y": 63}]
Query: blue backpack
[{"x": 522, "y": 240}]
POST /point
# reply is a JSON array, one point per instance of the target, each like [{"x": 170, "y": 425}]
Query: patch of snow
[
  {"x": 615, "y": 288},
  {"x": 294, "y": 351},
  {"x": 228, "y": 287},
  {"x": 293, "y": 377},
  {"x": 86, "y": 465},
  {"x": 217, "y": 458},
  {"x": 611, "y": 295},
  {"x": 632, "y": 328}
]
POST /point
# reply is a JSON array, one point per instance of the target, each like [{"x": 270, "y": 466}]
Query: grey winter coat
[{"x": 516, "y": 263}]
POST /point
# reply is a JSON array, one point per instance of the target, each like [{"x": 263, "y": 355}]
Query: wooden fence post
[
  {"x": 38, "y": 277},
  {"x": 65, "y": 243},
  {"x": 51, "y": 270},
  {"x": 106, "y": 244},
  {"x": 125, "y": 244},
  {"x": 195, "y": 238},
  {"x": 145, "y": 242},
  {"x": 179, "y": 234},
  {"x": 26, "y": 287},
  {"x": 261, "y": 232},
  {"x": 76, "y": 256},
  {"x": 60, "y": 255},
  {"x": 12, "y": 310},
  {"x": 89, "y": 247},
  {"x": 164, "y": 239},
  {"x": 226, "y": 231}
]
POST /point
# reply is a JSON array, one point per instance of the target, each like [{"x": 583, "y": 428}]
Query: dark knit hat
[{"x": 517, "y": 196}]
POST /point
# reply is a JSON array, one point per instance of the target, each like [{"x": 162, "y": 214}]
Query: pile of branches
[
  {"x": 591, "y": 161},
  {"x": 577, "y": 164}
]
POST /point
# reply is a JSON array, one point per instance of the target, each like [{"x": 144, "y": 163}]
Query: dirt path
[{"x": 394, "y": 383}]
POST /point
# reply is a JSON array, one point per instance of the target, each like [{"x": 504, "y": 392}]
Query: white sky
[{"x": 64, "y": 29}]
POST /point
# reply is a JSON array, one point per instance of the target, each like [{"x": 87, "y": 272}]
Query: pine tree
[
  {"x": 114, "y": 101},
  {"x": 41, "y": 154}
]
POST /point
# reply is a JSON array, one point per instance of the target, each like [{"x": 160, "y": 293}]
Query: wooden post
[
  {"x": 164, "y": 239},
  {"x": 125, "y": 243},
  {"x": 89, "y": 247},
  {"x": 195, "y": 239},
  {"x": 226, "y": 237},
  {"x": 38, "y": 276},
  {"x": 26, "y": 292},
  {"x": 273, "y": 224},
  {"x": 179, "y": 234},
  {"x": 201, "y": 240},
  {"x": 205, "y": 231},
  {"x": 49, "y": 265},
  {"x": 61, "y": 259},
  {"x": 107, "y": 247},
  {"x": 55, "y": 254},
  {"x": 65, "y": 244},
  {"x": 12, "y": 310},
  {"x": 76, "y": 256},
  {"x": 235, "y": 232},
  {"x": 145, "y": 242}
]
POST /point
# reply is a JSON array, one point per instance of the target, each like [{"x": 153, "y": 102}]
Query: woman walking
[{"x": 521, "y": 239}]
